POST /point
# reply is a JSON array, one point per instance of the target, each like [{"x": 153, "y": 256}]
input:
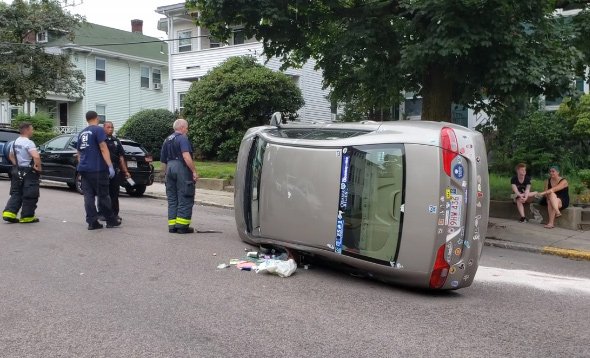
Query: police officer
[
  {"x": 24, "y": 185},
  {"x": 181, "y": 175},
  {"x": 117, "y": 154},
  {"x": 95, "y": 168}
]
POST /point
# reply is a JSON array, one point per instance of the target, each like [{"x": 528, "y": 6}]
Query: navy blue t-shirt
[
  {"x": 174, "y": 146},
  {"x": 91, "y": 159}
]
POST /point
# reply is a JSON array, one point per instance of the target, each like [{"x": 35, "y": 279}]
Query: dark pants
[
  {"x": 180, "y": 191},
  {"x": 24, "y": 193},
  {"x": 95, "y": 186},
  {"x": 114, "y": 187}
]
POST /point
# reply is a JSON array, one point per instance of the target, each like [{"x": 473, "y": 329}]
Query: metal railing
[{"x": 65, "y": 129}]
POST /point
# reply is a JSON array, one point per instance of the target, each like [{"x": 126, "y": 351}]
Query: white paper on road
[{"x": 539, "y": 280}]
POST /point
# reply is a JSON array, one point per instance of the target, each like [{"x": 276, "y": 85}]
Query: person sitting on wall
[
  {"x": 521, "y": 187},
  {"x": 556, "y": 195}
]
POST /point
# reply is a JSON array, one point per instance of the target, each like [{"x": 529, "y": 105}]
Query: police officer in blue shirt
[
  {"x": 181, "y": 176},
  {"x": 95, "y": 168}
]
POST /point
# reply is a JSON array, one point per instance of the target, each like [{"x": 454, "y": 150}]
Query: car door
[{"x": 54, "y": 158}]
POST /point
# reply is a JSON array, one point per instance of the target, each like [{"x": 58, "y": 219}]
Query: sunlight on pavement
[{"x": 538, "y": 280}]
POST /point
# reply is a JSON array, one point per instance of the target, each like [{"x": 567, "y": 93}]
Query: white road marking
[{"x": 539, "y": 280}]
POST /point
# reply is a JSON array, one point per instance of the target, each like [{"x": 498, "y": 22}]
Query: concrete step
[
  {"x": 586, "y": 215},
  {"x": 230, "y": 188}
]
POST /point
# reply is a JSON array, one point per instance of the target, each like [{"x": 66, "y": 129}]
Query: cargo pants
[
  {"x": 24, "y": 194},
  {"x": 180, "y": 192}
]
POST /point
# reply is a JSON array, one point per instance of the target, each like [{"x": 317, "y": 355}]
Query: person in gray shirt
[{"x": 24, "y": 185}]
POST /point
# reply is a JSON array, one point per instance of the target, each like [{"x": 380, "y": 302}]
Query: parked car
[
  {"x": 6, "y": 136},
  {"x": 59, "y": 158},
  {"x": 406, "y": 202}
]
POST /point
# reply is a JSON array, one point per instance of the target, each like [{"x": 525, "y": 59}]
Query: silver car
[{"x": 405, "y": 201}]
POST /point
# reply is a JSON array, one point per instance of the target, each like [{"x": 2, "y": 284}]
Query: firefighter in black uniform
[
  {"x": 118, "y": 159},
  {"x": 181, "y": 176},
  {"x": 24, "y": 185}
]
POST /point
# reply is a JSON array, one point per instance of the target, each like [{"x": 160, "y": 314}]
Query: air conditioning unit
[{"x": 157, "y": 86}]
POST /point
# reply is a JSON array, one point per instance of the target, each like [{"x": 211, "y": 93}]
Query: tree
[
  {"x": 149, "y": 128},
  {"x": 238, "y": 94},
  {"x": 27, "y": 71},
  {"x": 482, "y": 54}
]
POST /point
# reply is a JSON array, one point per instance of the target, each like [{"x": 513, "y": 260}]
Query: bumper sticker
[{"x": 343, "y": 202}]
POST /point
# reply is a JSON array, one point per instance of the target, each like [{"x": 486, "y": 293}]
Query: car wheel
[
  {"x": 136, "y": 190},
  {"x": 78, "y": 184}
]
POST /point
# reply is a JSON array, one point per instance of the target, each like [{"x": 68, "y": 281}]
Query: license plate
[
  {"x": 131, "y": 164},
  {"x": 455, "y": 212}
]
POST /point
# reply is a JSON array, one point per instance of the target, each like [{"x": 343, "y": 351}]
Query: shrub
[
  {"x": 149, "y": 128},
  {"x": 238, "y": 94},
  {"x": 42, "y": 123},
  {"x": 584, "y": 176}
]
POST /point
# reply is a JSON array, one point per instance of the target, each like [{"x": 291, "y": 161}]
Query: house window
[
  {"x": 13, "y": 113},
  {"x": 580, "y": 85},
  {"x": 101, "y": 69},
  {"x": 413, "y": 107},
  {"x": 101, "y": 110},
  {"x": 181, "y": 97},
  {"x": 145, "y": 77},
  {"x": 185, "y": 41},
  {"x": 239, "y": 37},
  {"x": 214, "y": 42},
  {"x": 157, "y": 78},
  {"x": 42, "y": 37}
]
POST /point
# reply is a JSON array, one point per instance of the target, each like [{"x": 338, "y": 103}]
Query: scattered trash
[
  {"x": 246, "y": 265},
  {"x": 81, "y": 273},
  {"x": 278, "y": 267},
  {"x": 222, "y": 266},
  {"x": 252, "y": 254},
  {"x": 306, "y": 267},
  {"x": 234, "y": 261},
  {"x": 214, "y": 254},
  {"x": 64, "y": 221}
]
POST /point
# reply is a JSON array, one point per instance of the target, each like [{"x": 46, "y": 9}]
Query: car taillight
[
  {"x": 440, "y": 271},
  {"x": 450, "y": 147},
  {"x": 149, "y": 158}
]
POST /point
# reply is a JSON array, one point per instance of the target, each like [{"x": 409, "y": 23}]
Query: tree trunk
[{"x": 437, "y": 97}]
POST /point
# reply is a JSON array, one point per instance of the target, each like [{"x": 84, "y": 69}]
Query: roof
[
  {"x": 168, "y": 8},
  {"x": 104, "y": 38}
]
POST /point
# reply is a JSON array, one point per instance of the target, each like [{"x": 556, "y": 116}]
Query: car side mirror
[{"x": 42, "y": 149}]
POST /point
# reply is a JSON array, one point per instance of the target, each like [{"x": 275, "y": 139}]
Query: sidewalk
[
  {"x": 504, "y": 233},
  {"x": 531, "y": 237}
]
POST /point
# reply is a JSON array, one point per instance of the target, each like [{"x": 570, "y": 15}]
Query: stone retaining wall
[{"x": 571, "y": 218}]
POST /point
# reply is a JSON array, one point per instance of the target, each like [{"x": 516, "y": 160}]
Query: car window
[
  {"x": 58, "y": 143},
  {"x": 133, "y": 148},
  {"x": 315, "y": 134},
  {"x": 373, "y": 194},
  {"x": 7, "y": 136}
]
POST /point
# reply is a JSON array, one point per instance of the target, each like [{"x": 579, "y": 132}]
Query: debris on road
[
  {"x": 274, "y": 261},
  {"x": 277, "y": 267},
  {"x": 222, "y": 266}
]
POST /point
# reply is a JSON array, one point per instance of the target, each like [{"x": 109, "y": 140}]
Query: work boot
[
  {"x": 95, "y": 225},
  {"x": 101, "y": 218},
  {"x": 113, "y": 224},
  {"x": 10, "y": 220},
  {"x": 185, "y": 230},
  {"x": 29, "y": 220},
  {"x": 172, "y": 230}
]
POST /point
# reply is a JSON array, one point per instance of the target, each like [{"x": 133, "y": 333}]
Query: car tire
[{"x": 136, "y": 190}]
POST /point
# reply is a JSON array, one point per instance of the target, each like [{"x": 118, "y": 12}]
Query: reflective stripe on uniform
[
  {"x": 172, "y": 222},
  {"x": 8, "y": 215},
  {"x": 28, "y": 220},
  {"x": 182, "y": 221}
]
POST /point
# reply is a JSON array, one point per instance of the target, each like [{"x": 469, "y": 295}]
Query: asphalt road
[{"x": 137, "y": 291}]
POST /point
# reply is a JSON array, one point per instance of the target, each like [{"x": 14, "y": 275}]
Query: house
[
  {"x": 125, "y": 72},
  {"x": 194, "y": 52}
]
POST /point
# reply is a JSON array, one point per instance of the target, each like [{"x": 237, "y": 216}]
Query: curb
[
  {"x": 198, "y": 202},
  {"x": 547, "y": 250}
]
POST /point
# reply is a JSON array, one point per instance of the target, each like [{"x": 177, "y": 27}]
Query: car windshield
[
  {"x": 133, "y": 148},
  {"x": 372, "y": 194}
]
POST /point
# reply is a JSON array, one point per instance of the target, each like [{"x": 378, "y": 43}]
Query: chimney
[{"x": 137, "y": 26}]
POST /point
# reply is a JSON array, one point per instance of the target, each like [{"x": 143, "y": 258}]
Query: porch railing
[{"x": 65, "y": 129}]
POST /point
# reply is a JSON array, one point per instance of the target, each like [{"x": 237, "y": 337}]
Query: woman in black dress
[{"x": 556, "y": 195}]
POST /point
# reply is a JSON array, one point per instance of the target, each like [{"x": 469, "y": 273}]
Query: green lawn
[
  {"x": 500, "y": 188},
  {"x": 215, "y": 170}
]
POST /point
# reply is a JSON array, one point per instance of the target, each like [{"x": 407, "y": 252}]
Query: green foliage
[
  {"x": 237, "y": 95},
  {"x": 584, "y": 176},
  {"x": 149, "y": 128},
  {"x": 27, "y": 71},
  {"x": 42, "y": 123},
  {"x": 483, "y": 54},
  {"x": 501, "y": 189}
]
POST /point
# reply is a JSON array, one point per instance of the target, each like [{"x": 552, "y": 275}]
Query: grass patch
[
  {"x": 213, "y": 170},
  {"x": 500, "y": 188}
]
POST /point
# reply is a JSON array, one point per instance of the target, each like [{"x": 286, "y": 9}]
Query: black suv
[
  {"x": 6, "y": 136},
  {"x": 58, "y": 157}
]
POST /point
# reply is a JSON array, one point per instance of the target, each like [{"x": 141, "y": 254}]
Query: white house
[
  {"x": 125, "y": 72},
  {"x": 194, "y": 52}
]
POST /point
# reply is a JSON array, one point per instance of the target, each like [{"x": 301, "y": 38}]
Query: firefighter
[
  {"x": 24, "y": 185},
  {"x": 118, "y": 159},
  {"x": 180, "y": 177}
]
